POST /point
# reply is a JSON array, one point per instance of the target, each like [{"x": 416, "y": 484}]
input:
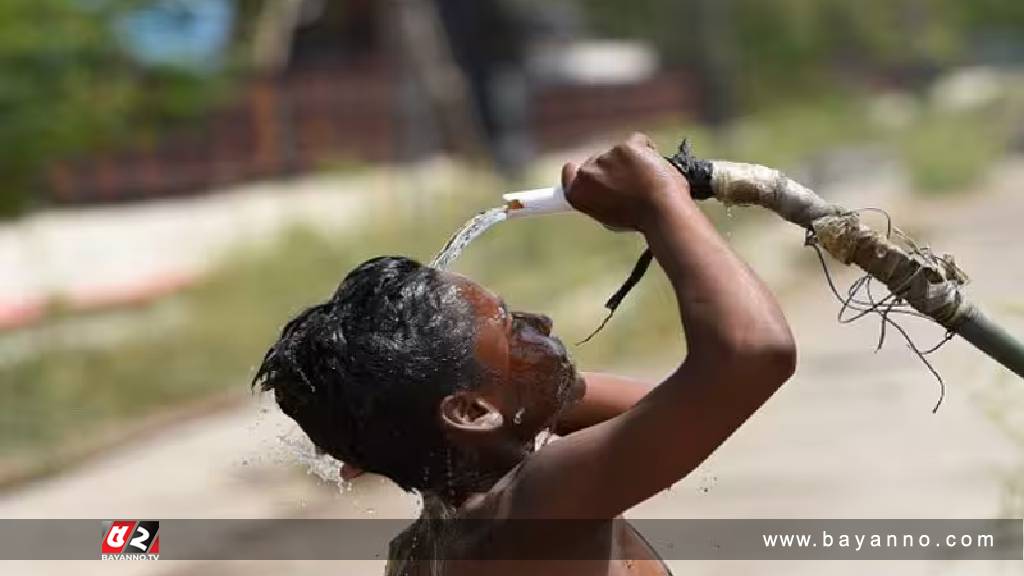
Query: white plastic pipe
[{"x": 536, "y": 202}]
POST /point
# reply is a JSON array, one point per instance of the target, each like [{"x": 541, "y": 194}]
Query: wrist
[{"x": 666, "y": 206}]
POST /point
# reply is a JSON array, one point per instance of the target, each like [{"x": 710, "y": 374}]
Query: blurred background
[{"x": 180, "y": 177}]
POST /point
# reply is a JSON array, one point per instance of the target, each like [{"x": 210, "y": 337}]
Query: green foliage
[
  {"x": 946, "y": 153},
  {"x": 783, "y": 137},
  {"x": 65, "y": 87},
  {"x": 775, "y": 49}
]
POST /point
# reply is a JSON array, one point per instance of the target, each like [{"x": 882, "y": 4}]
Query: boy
[{"x": 427, "y": 378}]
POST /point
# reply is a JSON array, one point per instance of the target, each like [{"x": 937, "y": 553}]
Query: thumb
[
  {"x": 641, "y": 140},
  {"x": 569, "y": 171}
]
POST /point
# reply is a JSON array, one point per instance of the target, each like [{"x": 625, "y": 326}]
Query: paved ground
[{"x": 851, "y": 436}]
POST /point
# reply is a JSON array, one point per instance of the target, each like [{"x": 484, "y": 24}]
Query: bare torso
[
  {"x": 500, "y": 546},
  {"x": 611, "y": 549}
]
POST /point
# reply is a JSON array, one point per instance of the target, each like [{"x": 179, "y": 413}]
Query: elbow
[
  {"x": 773, "y": 354},
  {"x": 776, "y": 361},
  {"x": 767, "y": 355}
]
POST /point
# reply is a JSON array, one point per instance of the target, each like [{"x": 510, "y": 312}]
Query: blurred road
[
  {"x": 106, "y": 254},
  {"x": 851, "y": 436}
]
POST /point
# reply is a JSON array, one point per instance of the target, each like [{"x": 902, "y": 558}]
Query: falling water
[
  {"x": 283, "y": 442},
  {"x": 472, "y": 230},
  {"x": 297, "y": 446}
]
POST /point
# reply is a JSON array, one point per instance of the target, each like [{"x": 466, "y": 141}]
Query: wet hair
[{"x": 364, "y": 372}]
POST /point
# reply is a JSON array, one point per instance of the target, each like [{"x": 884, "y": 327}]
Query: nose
[{"x": 539, "y": 322}]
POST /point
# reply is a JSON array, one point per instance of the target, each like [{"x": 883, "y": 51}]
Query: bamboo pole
[
  {"x": 932, "y": 285},
  {"x": 993, "y": 340}
]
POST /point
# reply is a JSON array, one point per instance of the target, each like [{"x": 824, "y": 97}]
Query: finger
[
  {"x": 641, "y": 140},
  {"x": 569, "y": 171}
]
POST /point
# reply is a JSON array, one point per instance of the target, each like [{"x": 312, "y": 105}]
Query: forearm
[
  {"x": 606, "y": 396},
  {"x": 725, "y": 309}
]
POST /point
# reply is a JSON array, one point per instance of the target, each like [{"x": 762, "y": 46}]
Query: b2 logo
[{"x": 131, "y": 540}]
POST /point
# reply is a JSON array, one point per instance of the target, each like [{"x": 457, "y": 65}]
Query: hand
[{"x": 625, "y": 186}]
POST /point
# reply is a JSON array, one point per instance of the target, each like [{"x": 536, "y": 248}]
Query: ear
[{"x": 469, "y": 413}]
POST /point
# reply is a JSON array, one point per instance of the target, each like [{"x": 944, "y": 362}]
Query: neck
[{"x": 468, "y": 472}]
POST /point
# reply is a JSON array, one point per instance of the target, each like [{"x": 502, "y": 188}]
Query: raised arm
[
  {"x": 606, "y": 397},
  {"x": 739, "y": 347}
]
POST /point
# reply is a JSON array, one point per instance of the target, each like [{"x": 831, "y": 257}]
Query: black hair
[{"x": 364, "y": 372}]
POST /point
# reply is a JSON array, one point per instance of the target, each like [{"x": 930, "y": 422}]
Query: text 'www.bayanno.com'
[{"x": 858, "y": 542}]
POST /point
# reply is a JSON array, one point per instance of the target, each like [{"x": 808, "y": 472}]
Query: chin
[
  {"x": 572, "y": 387},
  {"x": 578, "y": 388}
]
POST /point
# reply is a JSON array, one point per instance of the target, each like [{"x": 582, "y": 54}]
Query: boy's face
[{"x": 531, "y": 373}]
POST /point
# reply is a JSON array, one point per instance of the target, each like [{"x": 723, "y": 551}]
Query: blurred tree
[
  {"x": 66, "y": 86},
  {"x": 781, "y": 48}
]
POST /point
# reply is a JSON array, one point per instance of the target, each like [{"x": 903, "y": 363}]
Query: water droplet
[
  {"x": 370, "y": 511},
  {"x": 518, "y": 418}
]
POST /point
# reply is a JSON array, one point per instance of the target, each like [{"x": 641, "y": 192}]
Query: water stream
[{"x": 472, "y": 230}]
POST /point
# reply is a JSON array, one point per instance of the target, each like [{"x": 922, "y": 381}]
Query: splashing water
[
  {"x": 300, "y": 448},
  {"x": 545, "y": 437},
  {"x": 472, "y": 230},
  {"x": 283, "y": 442}
]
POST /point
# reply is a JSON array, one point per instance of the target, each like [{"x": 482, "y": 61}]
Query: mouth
[{"x": 573, "y": 385}]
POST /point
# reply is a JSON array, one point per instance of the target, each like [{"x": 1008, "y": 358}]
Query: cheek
[
  {"x": 491, "y": 350},
  {"x": 538, "y": 371}
]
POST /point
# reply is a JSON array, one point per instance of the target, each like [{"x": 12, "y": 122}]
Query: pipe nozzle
[{"x": 536, "y": 202}]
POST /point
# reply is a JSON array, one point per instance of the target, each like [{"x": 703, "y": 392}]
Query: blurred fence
[{"x": 308, "y": 120}]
